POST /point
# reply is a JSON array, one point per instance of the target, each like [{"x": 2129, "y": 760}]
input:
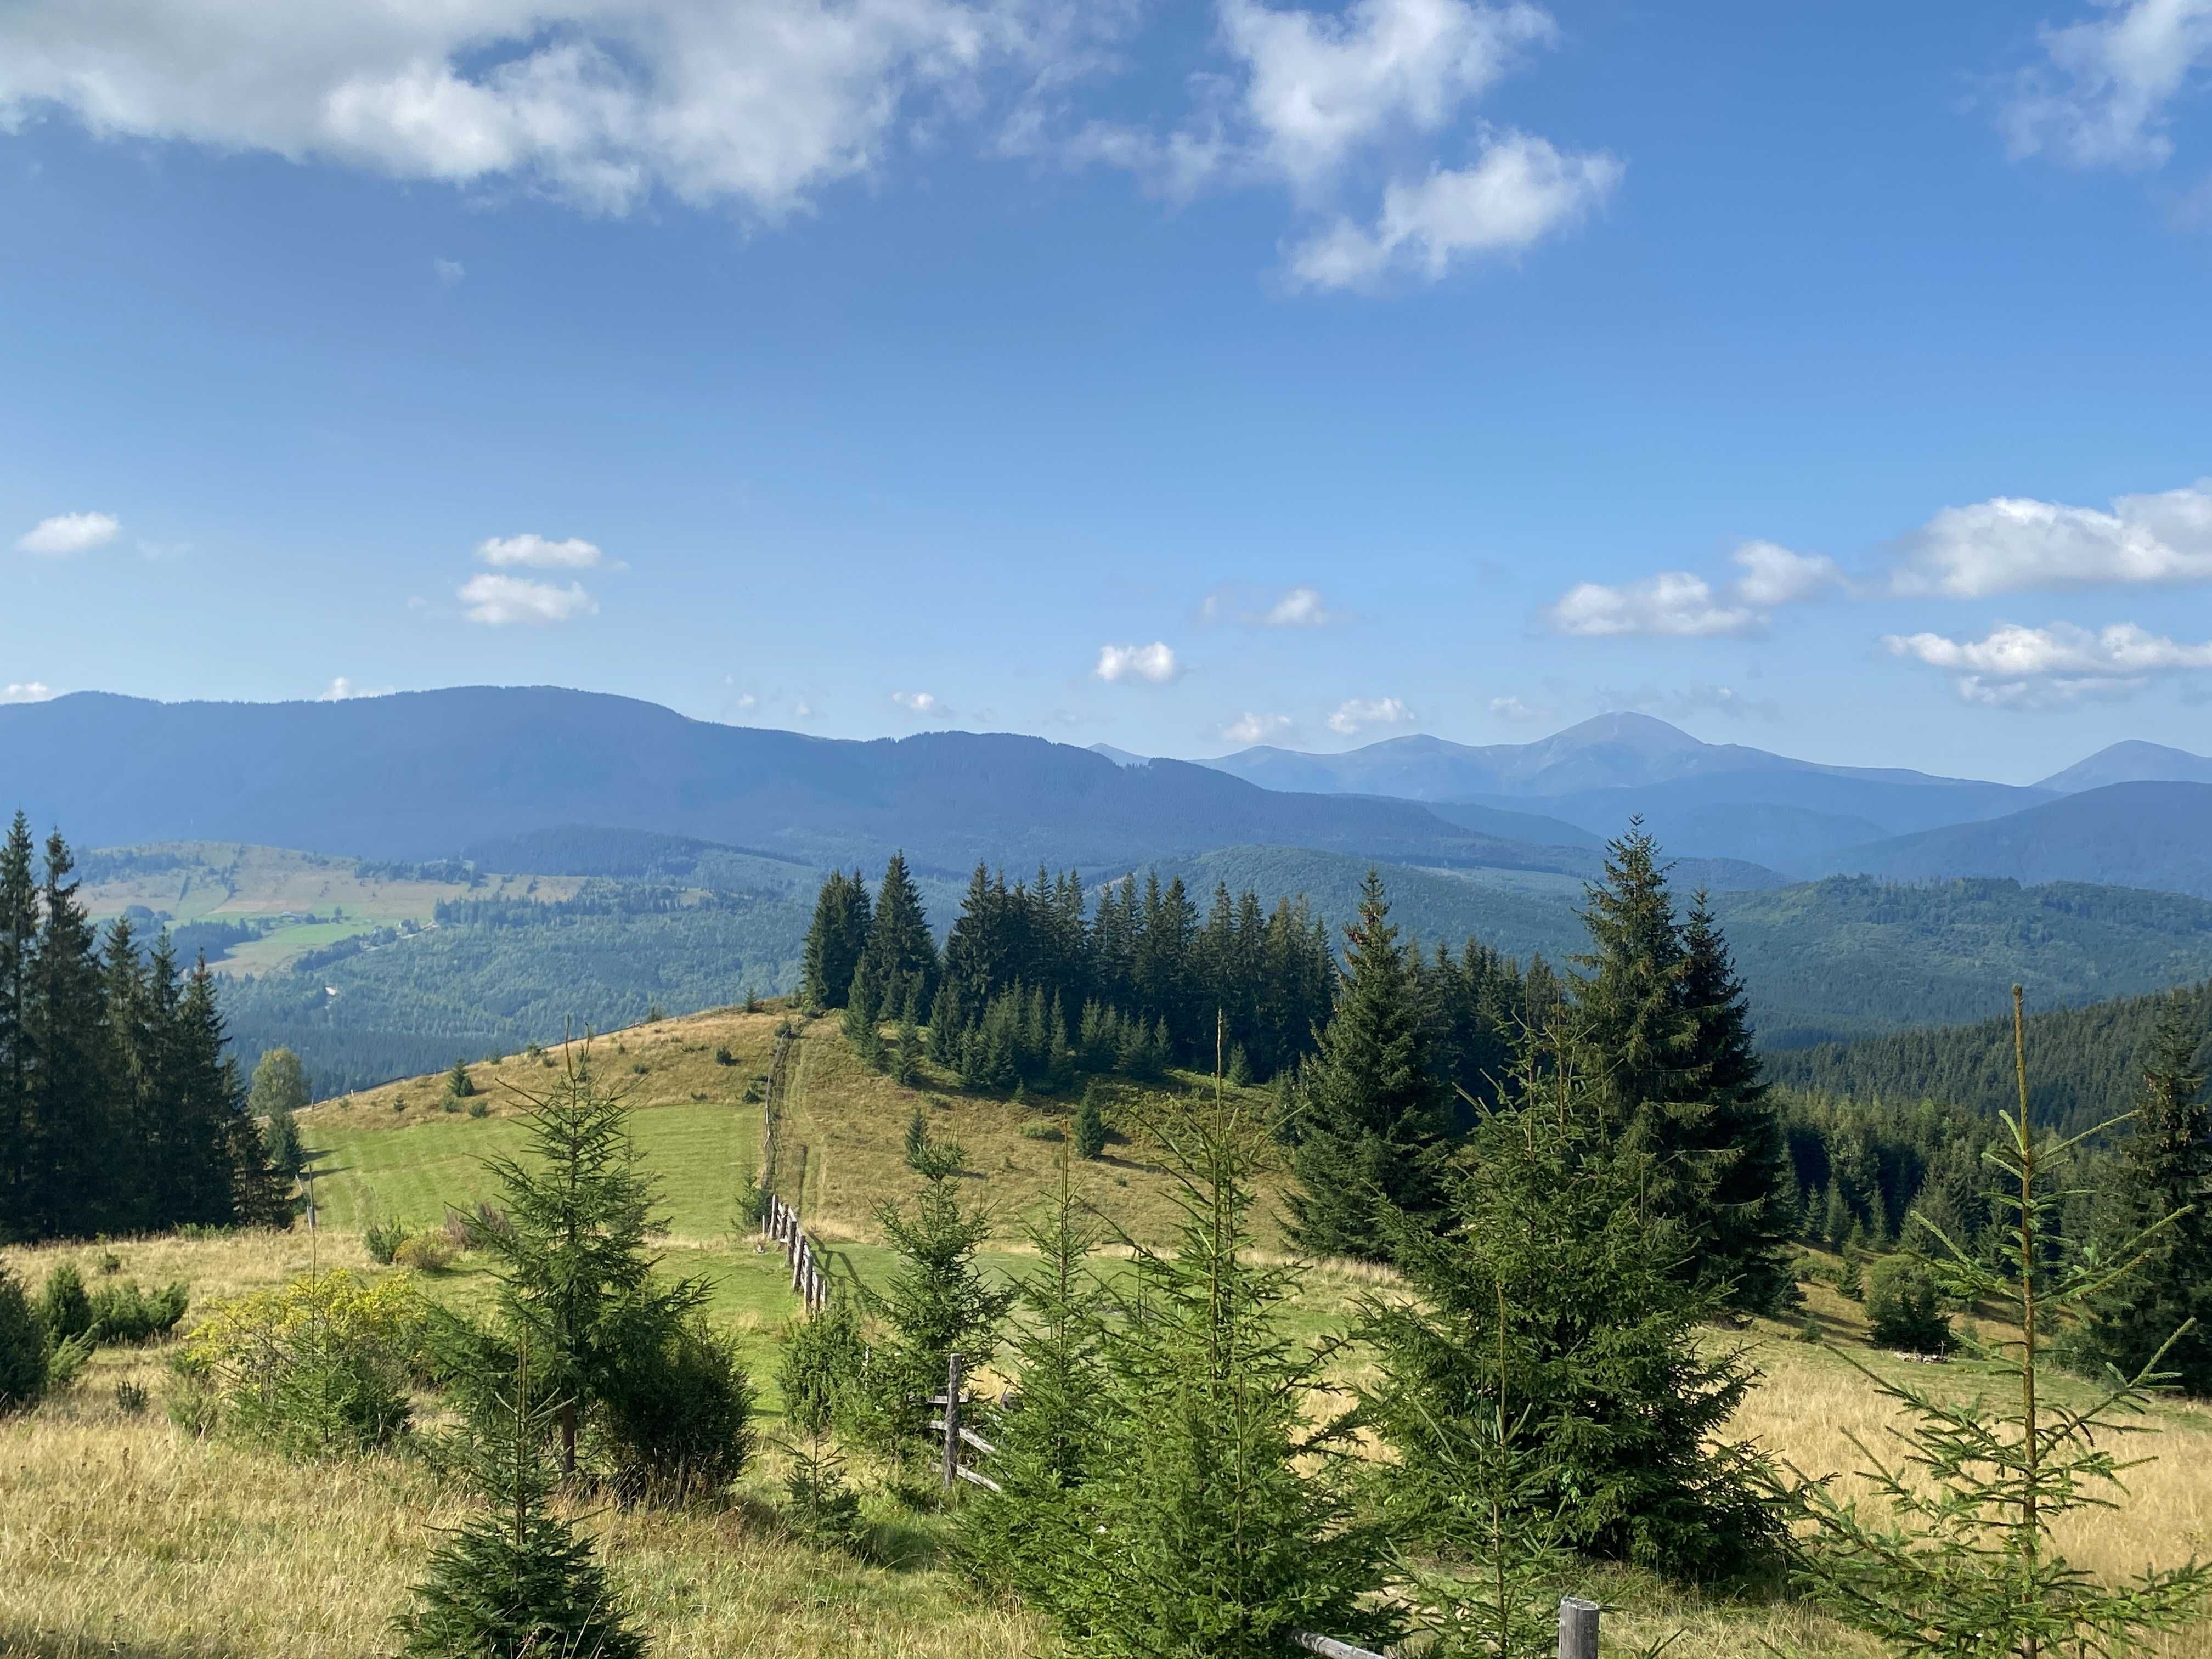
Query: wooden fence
[
  {"x": 780, "y": 1223},
  {"x": 1579, "y": 1619}
]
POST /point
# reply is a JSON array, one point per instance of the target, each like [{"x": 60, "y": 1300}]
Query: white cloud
[
  {"x": 1772, "y": 574},
  {"x": 1299, "y": 608},
  {"x": 2104, "y": 94},
  {"x": 1248, "y": 728},
  {"x": 2011, "y": 543},
  {"x": 1356, "y": 714},
  {"x": 1673, "y": 603},
  {"x": 2018, "y": 666},
  {"x": 496, "y": 601},
  {"x": 1519, "y": 190},
  {"x": 536, "y": 551},
  {"x": 25, "y": 691},
  {"x": 1155, "y": 662},
  {"x": 65, "y": 533},
  {"x": 1319, "y": 85},
  {"x": 449, "y": 272},
  {"x": 924, "y": 703},
  {"x": 597, "y": 102},
  {"x": 1512, "y": 708}
]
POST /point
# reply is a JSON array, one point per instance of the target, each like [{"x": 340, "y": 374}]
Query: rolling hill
[{"x": 2131, "y": 762}]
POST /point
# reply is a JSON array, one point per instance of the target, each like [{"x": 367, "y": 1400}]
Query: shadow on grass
[{"x": 20, "y": 1642}]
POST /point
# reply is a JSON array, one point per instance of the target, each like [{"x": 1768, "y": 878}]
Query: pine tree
[
  {"x": 21, "y": 1195},
  {"x": 1089, "y": 1125},
  {"x": 1966, "y": 1562},
  {"x": 518, "y": 1581},
  {"x": 1373, "y": 1133},
  {"x": 900, "y": 946},
  {"x": 74, "y": 1135},
  {"x": 129, "y": 1066},
  {"x": 837, "y": 938},
  {"x": 2164, "y": 1168}
]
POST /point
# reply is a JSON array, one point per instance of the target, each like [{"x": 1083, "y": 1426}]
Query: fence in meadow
[
  {"x": 1578, "y": 1619},
  {"x": 808, "y": 1282}
]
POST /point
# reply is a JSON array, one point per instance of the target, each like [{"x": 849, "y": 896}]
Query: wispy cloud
[
  {"x": 1301, "y": 607},
  {"x": 924, "y": 703},
  {"x": 496, "y": 601},
  {"x": 342, "y": 689},
  {"x": 2105, "y": 92},
  {"x": 1358, "y": 715},
  {"x": 25, "y": 691},
  {"x": 1512, "y": 708},
  {"x": 1250, "y": 727},
  {"x": 1155, "y": 664},
  {"x": 449, "y": 272},
  {"x": 67, "y": 534}
]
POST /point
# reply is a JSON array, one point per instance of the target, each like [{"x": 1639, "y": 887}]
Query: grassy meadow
[{"x": 122, "y": 1535}]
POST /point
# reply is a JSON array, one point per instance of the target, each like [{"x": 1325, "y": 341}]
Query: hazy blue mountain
[
  {"x": 1119, "y": 756},
  {"x": 2126, "y": 835},
  {"x": 2132, "y": 762},
  {"x": 426, "y": 774}
]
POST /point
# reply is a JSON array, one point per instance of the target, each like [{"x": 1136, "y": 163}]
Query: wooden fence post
[
  {"x": 951, "y": 1422},
  {"x": 1577, "y": 1628}
]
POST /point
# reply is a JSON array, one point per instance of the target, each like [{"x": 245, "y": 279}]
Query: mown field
[{"x": 121, "y": 1536}]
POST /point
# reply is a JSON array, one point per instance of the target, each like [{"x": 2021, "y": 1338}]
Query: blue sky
[{"x": 1834, "y": 379}]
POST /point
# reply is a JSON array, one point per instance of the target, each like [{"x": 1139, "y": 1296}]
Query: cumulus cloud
[
  {"x": 2012, "y": 543},
  {"x": 1772, "y": 574},
  {"x": 25, "y": 691},
  {"x": 1155, "y": 663},
  {"x": 924, "y": 703},
  {"x": 1512, "y": 708},
  {"x": 2018, "y": 666},
  {"x": 2104, "y": 94},
  {"x": 594, "y": 102},
  {"x": 505, "y": 552},
  {"x": 496, "y": 601},
  {"x": 1248, "y": 728},
  {"x": 66, "y": 533},
  {"x": 342, "y": 690},
  {"x": 1356, "y": 714},
  {"x": 1673, "y": 603},
  {"x": 1521, "y": 190}
]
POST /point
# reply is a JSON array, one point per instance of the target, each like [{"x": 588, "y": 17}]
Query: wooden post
[
  {"x": 951, "y": 1422},
  {"x": 1577, "y": 1628}
]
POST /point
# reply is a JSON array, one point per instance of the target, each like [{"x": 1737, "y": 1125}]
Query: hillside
[
  {"x": 2083, "y": 1064},
  {"x": 2126, "y": 835},
  {"x": 2132, "y": 762}
]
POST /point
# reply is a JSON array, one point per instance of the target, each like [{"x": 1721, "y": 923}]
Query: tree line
[{"x": 119, "y": 1110}]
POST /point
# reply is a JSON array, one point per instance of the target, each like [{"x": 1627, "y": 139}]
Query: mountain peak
[
  {"x": 1624, "y": 725},
  {"x": 2131, "y": 762}
]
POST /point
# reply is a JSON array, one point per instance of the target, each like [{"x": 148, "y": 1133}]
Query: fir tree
[
  {"x": 837, "y": 938},
  {"x": 1089, "y": 1125},
  {"x": 517, "y": 1581},
  {"x": 2163, "y": 1168},
  {"x": 72, "y": 1126},
  {"x": 18, "y": 931},
  {"x": 1373, "y": 1133}
]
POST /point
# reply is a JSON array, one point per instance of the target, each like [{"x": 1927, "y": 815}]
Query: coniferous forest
[{"x": 119, "y": 1110}]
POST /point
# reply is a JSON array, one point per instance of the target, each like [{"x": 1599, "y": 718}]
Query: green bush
[
  {"x": 430, "y": 1253},
  {"x": 382, "y": 1240},
  {"x": 1905, "y": 1307},
  {"x": 1042, "y": 1132},
  {"x": 124, "y": 1314},
  {"x": 24, "y": 1350},
  {"x": 63, "y": 1307},
  {"x": 314, "y": 1367},
  {"x": 676, "y": 1409},
  {"x": 478, "y": 1107}
]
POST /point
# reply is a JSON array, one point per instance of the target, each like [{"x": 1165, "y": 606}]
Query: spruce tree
[
  {"x": 576, "y": 1282},
  {"x": 2162, "y": 1169},
  {"x": 837, "y": 938},
  {"x": 75, "y": 1136},
  {"x": 1216, "y": 1522},
  {"x": 131, "y": 1040},
  {"x": 900, "y": 947},
  {"x": 1372, "y": 1139},
  {"x": 518, "y": 1581},
  {"x": 1089, "y": 1125}
]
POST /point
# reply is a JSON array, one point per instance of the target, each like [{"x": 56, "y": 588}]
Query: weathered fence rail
[
  {"x": 1578, "y": 1619},
  {"x": 780, "y": 1223}
]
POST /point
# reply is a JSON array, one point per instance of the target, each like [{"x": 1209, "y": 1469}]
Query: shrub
[
  {"x": 449, "y": 1104},
  {"x": 1905, "y": 1306},
  {"x": 1042, "y": 1132},
  {"x": 478, "y": 1107},
  {"x": 63, "y": 1307},
  {"x": 677, "y": 1410},
  {"x": 430, "y": 1253},
  {"x": 124, "y": 1313},
  {"x": 110, "y": 1262},
  {"x": 24, "y": 1352},
  {"x": 130, "y": 1398},
  {"x": 724, "y": 1057},
  {"x": 382, "y": 1240},
  {"x": 315, "y": 1367}
]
